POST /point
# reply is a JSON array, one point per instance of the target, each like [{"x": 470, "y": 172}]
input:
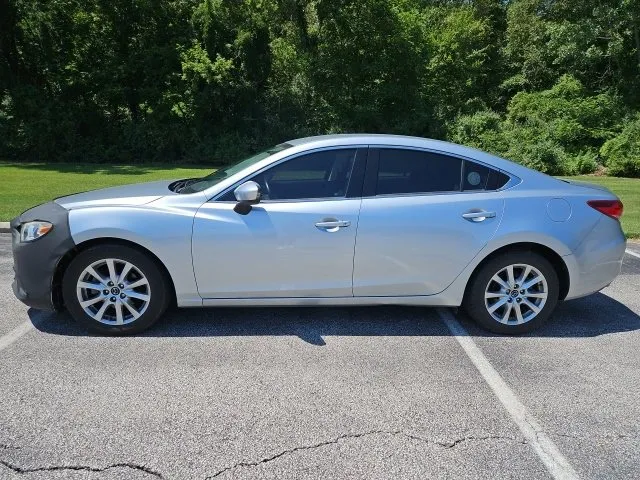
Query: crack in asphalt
[
  {"x": 142, "y": 468},
  {"x": 6, "y": 446},
  {"x": 352, "y": 436},
  {"x": 83, "y": 468}
]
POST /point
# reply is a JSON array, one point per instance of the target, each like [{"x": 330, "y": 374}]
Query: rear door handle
[
  {"x": 478, "y": 216},
  {"x": 333, "y": 224}
]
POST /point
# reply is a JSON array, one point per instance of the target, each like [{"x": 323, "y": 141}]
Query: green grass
[
  {"x": 25, "y": 185},
  {"x": 628, "y": 189}
]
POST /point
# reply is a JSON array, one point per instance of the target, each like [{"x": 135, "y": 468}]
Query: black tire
[
  {"x": 157, "y": 284},
  {"x": 474, "y": 301}
]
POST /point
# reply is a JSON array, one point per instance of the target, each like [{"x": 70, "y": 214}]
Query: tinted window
[
  {"x": 413, "y": 171},
  {"x": 322, "y": 174},
  {"x": 479, "y": 177},
  {"x": 200, "y": 184}
]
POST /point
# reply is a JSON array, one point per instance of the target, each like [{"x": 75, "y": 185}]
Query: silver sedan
[{"x": 329, "y": 220}]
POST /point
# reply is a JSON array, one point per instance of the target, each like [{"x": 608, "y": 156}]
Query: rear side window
[
  {"x": 480, "y": 177},
  {"x": 414, "y": 171}
]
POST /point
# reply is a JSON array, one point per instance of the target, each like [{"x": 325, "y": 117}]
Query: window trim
[
  {"x": 371, "y": 175},
  {"x": 357, "y": 175}
]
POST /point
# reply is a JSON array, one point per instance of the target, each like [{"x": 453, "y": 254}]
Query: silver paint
[{"x": 394, "y": 249}]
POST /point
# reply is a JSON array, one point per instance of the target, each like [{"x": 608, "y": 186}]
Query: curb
[{"x": 5, "y": 227}]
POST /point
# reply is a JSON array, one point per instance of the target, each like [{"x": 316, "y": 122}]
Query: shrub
[
  {"x": 584, "y": 163},
  {"x": 622, "y": 153},
  {"x": 482, "y": 130}
]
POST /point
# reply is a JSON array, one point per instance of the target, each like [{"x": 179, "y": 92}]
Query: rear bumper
[
  {"x": 35, "y": 263},
  {"x": 598, "y": 259}
]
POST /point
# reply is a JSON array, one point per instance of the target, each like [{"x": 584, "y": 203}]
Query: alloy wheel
[
  {"x": 113, "y": 291},
  {"x": 516, "y": 294}
]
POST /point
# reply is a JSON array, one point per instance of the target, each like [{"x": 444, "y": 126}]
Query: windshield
[{"x": 199, "y": 184}]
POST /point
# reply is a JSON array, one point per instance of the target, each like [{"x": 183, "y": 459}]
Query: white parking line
[
  {"x": 633, "y": 254},
  {"x": 556, "y": 463},
  {"x": 15, "y": 334}
]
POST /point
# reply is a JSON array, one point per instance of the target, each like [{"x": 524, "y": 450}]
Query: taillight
[{"x": 611, "y": 208}]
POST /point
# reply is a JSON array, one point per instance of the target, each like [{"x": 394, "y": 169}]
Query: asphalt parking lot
[{"x": 384, "y": 392}]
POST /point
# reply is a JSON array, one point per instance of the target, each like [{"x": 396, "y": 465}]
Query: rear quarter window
[{"x": 480, "y": 177}]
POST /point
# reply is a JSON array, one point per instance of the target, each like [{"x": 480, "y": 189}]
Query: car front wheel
[
  {"x": 513, "y": 293},
  {"x": 114, "y": 289}
]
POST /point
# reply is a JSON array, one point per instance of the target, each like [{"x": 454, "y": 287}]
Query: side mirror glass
[{"x": 246, "y": 194}]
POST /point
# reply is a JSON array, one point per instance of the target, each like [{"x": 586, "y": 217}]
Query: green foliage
[
  {"x": 622, "y": 153},
  {"x": 556, "y": 131},
  {"x": 482, "y": 130},
  {"x": 545, "y": 83},
  {"x": 585, "y": 163}
]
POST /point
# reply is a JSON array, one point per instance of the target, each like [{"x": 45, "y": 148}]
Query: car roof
[
  {"x": 417, "y": 142},
  {"x": 359, "y": 138}
]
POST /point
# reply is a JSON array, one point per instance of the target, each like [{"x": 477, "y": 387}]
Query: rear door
[{"x": 424, "y": 216}]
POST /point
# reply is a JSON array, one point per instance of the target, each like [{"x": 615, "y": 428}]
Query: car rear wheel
[
  {"x": 513, "y": 293},
  {"x": 114, "y": 289}
]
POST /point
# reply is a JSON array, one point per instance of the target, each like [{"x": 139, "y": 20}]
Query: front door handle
[
  {"x": 333, "y": 225},
  {"x": 478, "y": 216}
]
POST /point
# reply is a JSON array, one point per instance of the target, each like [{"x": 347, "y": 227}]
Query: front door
[{"x": 297, "y": 242}]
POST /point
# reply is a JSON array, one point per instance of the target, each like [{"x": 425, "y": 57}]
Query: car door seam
[{"x": 355, "y": 245}]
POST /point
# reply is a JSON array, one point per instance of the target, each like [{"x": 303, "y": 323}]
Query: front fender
[{"x": 166, "y": 232}]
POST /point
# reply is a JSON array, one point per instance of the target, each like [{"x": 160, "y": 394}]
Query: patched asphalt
[{"x": 381, "y": 392}]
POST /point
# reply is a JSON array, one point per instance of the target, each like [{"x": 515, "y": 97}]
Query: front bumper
[{"x": 35, "y": 263}]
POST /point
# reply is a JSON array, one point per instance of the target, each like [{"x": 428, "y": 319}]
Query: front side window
[
  {"x": 199, "y": 184},
  {"x": 415, "y": 171},
  {"x": 323, "y": 174}
]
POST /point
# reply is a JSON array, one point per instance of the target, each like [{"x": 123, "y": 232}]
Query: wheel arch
[
  {"x": 548, "y": 253},
  {"x": 64, "y": 262}
]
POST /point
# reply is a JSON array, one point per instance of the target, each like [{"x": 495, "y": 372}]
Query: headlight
[{"x": 31, "y": 231}]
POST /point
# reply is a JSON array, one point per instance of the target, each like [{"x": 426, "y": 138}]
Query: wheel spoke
[
  {"x": 507, "y": 313},
  {"x": 91, "y": 271},
  {"x": 495, "y": 295},
  {"x": 100, "y": 313},
  {"x": 139, "y": 296},
  {"x": 535, "y": 295},
  {"x": 125, "y": 271},
  {"x": 532, "y": 306},
  {"x": 516, "y": 307},
  {"x": 496, "y": 278},
  {"x": 112, "y": 270},
  {"x": 137, "y": 283},
  {"x": 510, "y": 276},
  {"x": 532, "y": 282},
  {"x": 132, "y": 310},
  {"x": 119, "y": 319},
  {"x": 92, "y": 301},
  {"x": 497, "y": 305},
  {"x": 90, "y": 286},
  {"x": 524, "y": 275}
]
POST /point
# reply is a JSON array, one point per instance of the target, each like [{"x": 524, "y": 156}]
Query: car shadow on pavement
[{"x": 591, "y": 316}]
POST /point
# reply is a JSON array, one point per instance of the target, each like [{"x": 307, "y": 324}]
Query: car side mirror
[{"x": 247, "y": 194}]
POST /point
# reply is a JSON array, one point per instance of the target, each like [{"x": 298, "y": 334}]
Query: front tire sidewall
[
  {"x": 146, "y": 265},
  {"x": 474, "y": 303}
]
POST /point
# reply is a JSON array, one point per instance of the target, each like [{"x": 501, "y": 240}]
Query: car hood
[{"x": 137, "y": 194}]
